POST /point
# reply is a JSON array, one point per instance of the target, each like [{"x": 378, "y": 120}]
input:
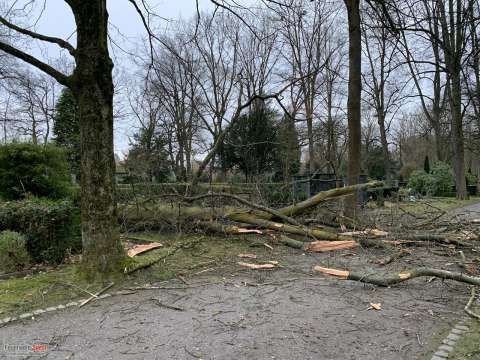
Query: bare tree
[
  {"x": 305, "y": 28},
  {"x": 383, "y": 84},
  {"x": 32, "y": 100}
]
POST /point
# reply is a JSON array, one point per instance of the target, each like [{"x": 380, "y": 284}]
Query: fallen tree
[{"x": 231, "y": 220}]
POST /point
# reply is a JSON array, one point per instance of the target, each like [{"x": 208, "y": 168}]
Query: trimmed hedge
[{"x": 50, "y": 227}]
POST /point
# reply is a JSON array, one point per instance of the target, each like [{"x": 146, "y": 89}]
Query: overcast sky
[{"x": 57, "y": 20}]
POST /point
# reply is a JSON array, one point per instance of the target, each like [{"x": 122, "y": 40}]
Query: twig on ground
[
  {"x": 96, "y": 295},
  {"x": 469, "y": 305},
  {"x": 171, "y": 307}
]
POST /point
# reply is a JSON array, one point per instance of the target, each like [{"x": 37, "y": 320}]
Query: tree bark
[
  {"x": 354, "y": 96},
  {"x": 92, "y": 87}
]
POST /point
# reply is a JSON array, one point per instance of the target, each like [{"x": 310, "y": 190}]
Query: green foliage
[
  {"x": 251, "y": 143},
  {"x": 66, "y": 129},
  {"x": 147, "y": 159},
  {"x": 374, "y": 163},
  {"x": 28, "y": 169},
  {"x": 443, "y": 174},
  {"x": 472, "y": 179},
  {"x": 422, "y": 182},
  {"x": 51, "y": 227},
  {"x": 13, "y": 251},
  {"x": 438, "y": 182}
]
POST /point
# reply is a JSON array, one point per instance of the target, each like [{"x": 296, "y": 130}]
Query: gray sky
[{"x": 57, "y": 20}]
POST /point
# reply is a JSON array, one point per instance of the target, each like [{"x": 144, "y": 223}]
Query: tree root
[{"x": 396, "y": 278}]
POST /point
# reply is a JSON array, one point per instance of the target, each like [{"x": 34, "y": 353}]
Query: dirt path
[{"x": 282, "y": 314}]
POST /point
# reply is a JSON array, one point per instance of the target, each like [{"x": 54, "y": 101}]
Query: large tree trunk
[
  {"x": 354, "y": 96},
  {"x": 93, "y": 90},
  {"x": 457, "y": 136}
]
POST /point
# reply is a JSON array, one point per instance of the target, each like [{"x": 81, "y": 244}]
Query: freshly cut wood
[
  {"x": 367, "y": 232},
  {"x": 398, "y": 277},
  {"x": 376, "y": 306},
  {"x": 270, "y": 265},
  {"x": 139, "y": 249},
  {"x": 248, "y": 231},
  {"x": 247, "y": 256},
  {"x": 334, "y": 272},
  {"x": 324, "y": 246}
]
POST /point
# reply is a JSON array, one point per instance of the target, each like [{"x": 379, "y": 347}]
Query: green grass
[
  {"x": 468, "y": 347},
  {"x": 42, "y": 290},
  {"x": 200, "y": 253}
]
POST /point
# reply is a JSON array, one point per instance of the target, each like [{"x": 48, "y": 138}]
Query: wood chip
[
  {"x": 247, "y": 256},
  {"x": 256, "y": 266},
  {"x": 376, "y": 306},
  {"x": 334, "y": 272},
  {"x": 248, "y": 231},
  {"x": 404, "y": 275},
  {"x": 324, "y": 246},
  {"x": 139, "y": 249}
]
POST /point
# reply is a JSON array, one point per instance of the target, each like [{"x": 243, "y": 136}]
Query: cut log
[{"x": 398, "y": 277}]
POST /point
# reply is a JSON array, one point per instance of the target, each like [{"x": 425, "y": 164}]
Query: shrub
[
  {"x": 443, "y": 174},
  {"x": 472, "y": 179},
  {"x": 438, "y": 182},
  {"x": 51, "y": 227},
  {"x": 13, "y": 251},
  {"x": 39, "y": 170},
  {"x": 422, "y": 182}
]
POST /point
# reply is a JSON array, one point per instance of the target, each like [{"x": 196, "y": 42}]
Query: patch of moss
[
  {"x": 196, "y": 254},
  {"x": 468, "y": 347},
  {"x": 42, "y": 290}
]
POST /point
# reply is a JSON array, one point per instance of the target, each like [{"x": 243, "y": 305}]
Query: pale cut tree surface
[{"x": 293, "y": 315}]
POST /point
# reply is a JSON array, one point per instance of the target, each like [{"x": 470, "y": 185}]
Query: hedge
[{"x": 50, "y": 227}]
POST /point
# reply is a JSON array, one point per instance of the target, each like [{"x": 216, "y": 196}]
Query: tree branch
[
  {"x": 57, "y": 75},
  {"x": 60, "y": 42}
]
